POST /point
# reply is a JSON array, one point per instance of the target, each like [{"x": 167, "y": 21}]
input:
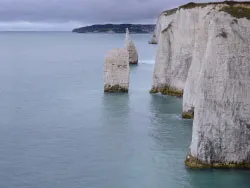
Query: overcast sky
[{"x": 67, "y": 14}]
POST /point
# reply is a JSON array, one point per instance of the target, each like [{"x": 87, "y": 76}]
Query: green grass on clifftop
[
  {"x": 170, "y": 12},
  {"x": 237, "y": 12},
  {"x": 202, "y": 5},
  {"x": 193, "y": 5}
]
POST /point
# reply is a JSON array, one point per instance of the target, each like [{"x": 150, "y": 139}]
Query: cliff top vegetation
[
  {"x": 170, "y": 12},
  {"x": 230, "y": 3},
  {"x": 237, "y": 12},
  {"x": 237, "y": 9}
]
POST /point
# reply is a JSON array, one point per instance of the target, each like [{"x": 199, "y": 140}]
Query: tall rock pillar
[{"x": 130, "y": 47}]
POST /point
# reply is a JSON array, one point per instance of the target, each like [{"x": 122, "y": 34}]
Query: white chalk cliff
[
  {"x": 163, "y": 21},
  {"x": 116, "y": 71},
  {"x": 204, "y": 54},
  {"x": 129, "y": 45},
  {"x": 174, "y": 55}
]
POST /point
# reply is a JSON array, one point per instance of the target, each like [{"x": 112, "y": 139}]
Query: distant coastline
[{"x": 116, "y": 28}]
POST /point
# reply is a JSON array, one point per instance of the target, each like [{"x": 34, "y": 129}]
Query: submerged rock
[
  {"x": 130, "y": 47},
  {"x": 116, "y": 71}
]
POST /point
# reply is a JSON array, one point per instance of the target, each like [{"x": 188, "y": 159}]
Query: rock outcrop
[
  {"x": 164, "y": 20},
  {"x": 205, "y": 53},
  {"x": 129, "y": 45},
  {"x": 154, "y": 39},
  {"x": 116, "y": 71}
]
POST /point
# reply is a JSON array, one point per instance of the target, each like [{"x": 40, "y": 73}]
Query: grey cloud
[
  {"x": 65, "y": 14},
  {"x": 83, "y": 10}
]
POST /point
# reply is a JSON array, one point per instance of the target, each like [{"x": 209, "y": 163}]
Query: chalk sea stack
[
  {"x": 153, "y": 39},
  {"x": 116, "y": 71},
  {"x": 204, "y": 55},
  {"x": 130, "y": 47}
]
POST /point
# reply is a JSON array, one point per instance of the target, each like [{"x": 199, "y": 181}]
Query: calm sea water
[{"x": 58, "y": 128}]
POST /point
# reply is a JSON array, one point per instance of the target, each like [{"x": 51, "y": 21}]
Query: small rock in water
[
  {"x": 116, "y": 71},
  {"x": 129, "y": 45},
  {"x": 153, "y": 40}
]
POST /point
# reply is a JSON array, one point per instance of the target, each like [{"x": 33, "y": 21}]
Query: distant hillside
[{"x": 116, "y": 28}]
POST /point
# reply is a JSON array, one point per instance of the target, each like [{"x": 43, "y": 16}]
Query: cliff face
[
  {"x": 221, "y": 129},
  {"x": 204, "y": 17},
  {"x": 164, "y": 20},
  {"x": 174, "y": 55},
  {"x": 205, "y": 52}
]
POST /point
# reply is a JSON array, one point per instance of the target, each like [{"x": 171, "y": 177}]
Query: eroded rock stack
[
  {"x": 116, "y": 71},
  {"x": 205, "y": 53},
  {"x": 153, "y": 39},
  {"x": 130, "y": 47}
]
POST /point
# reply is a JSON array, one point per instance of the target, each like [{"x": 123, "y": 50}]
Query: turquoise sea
[{"x": 59, "y": 130}]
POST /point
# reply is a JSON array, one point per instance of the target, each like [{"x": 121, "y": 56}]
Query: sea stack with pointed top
[
  {"x": 129, "y": 45},
  {"x": 116, "y": 71}
]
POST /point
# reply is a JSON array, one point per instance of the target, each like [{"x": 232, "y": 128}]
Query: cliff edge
[{"x": 204, "y": 55}]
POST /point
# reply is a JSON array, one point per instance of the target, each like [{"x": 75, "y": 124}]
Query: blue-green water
[{"x": 58, "y": 128}]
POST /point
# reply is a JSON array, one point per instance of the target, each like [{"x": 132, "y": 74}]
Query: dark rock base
[
  {"x": 194, "y": 163},
  {"x": 168, "y": 91},
  {"x": 188, "y": 115},
  {"x": 115, "y": 89},
  {"x": 133, "y": 62},
  {"x": 152, "y": 42}
]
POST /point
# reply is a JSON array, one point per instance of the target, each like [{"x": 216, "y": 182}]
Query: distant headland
[{"x": 116, "y": 28}]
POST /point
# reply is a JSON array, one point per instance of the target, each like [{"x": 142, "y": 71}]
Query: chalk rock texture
[
  {"x": 130, "y": 47},
  {"x": 116, "y": 71},
  {"x": 174, "y": 54},
  {"x": 153, "y": 39},
  {"x": 164, "y": 19},
  {"x": 221, "y": 128},
  {"x": 204, "y": 16},
  {"x": 205, "y": 53}
]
